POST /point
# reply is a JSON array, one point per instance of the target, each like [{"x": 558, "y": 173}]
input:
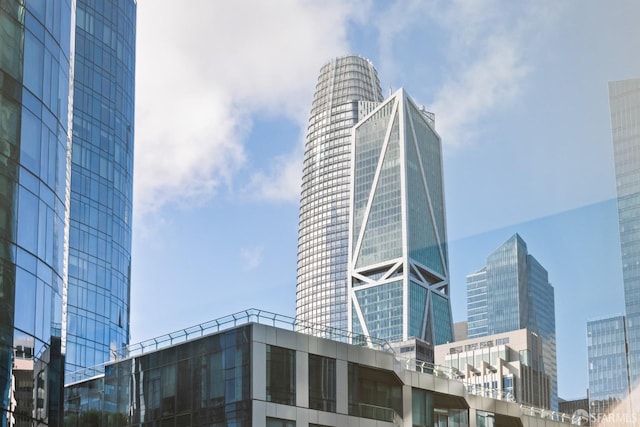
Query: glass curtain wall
[
  {"x": 101, "y": 182},
  {"x": 202, "y": 382},
  {"x": 321, "y": 292},
  {"x": 35, "y": 52},
  {"x": 398, "y": 262}
]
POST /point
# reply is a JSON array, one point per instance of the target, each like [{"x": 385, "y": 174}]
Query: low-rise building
[
  {"x": 507, "y": 366},
  {"x": 246, "y": 370}
]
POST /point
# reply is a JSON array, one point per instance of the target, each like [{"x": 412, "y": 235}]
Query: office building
[
  {"x": 253, "y": 369},
  {"x": 398, "y": 262},
  {"x": 321, "y": 292},
  {"x": 43, "y": 191},
  {"x": 513, "y": 292},
  {"x": 606, "y": 363},
  {"x": 101, "y": 182},
  {"x": 624, "y": 102},
  {"x": 608, "y": 373},
  {"x": 35, "y": 135},
  {"x": 503, "y": 366}
]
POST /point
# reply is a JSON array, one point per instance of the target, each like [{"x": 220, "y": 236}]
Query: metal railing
[
  {"x": 479, "y": 390},
  {"x": 245, "y": 317},
  {"x": 547, "y": 414},
  {"x": 262, "y": 317}
]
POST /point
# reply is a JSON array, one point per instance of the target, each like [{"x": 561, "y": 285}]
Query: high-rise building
[
  {"x": 608, "y": 373},
  {"x": 35, "y": 55},
  {"x": 391, "y": 281},
  {"x": 42, "y": 199},
  {"x": 398, "y": 262},
  {"x": 321, "y": 293},
  {"x": 101, "y": 182},
  {"x": 513, "y": 292},
  {"x": 624, "y": 104}
]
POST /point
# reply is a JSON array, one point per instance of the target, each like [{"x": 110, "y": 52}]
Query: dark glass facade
[
  {"x": 374, "y": 393},
  {"x": 322, "y": 383},
  {"x": 281, "y": 375},
  {"x": 101, "y": 182},
  {"x": 198, "y": 383},
  {"x": 35, "y": 52}
]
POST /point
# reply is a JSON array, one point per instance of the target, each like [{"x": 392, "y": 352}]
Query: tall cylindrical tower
[
  {"x": 321, "y": 294},
  {"x": 101, "y": 184},
  {"x": 35, "y": 65}
]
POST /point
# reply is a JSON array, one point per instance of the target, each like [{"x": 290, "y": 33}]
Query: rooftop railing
[
  {"x": 245, "y": 317},
  {"x": 262, "y": 317}
]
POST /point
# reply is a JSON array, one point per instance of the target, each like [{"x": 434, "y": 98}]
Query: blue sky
[{"x": 520, "y": 96}]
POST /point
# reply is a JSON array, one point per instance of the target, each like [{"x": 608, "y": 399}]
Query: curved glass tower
[
  {"x": 101, "y": 182},
  {"x": 35, "y": 52},
  {"x": 321, "y": 294}
]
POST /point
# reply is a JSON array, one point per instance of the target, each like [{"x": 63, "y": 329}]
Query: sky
[{"x": 519, "y": 90}]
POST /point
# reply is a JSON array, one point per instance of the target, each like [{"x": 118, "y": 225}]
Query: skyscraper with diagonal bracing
[{"x": 398, "y": 261}]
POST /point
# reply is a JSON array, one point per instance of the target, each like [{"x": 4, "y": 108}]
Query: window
[
  {"x": 322, "y": 383},
  {"x": 281, "y": 375},
  {"x": 278, "y": 422},
  {"x": 374, "y": 393},
  {"x": 485, "y": 419},
  {"x": 422, "y": 407}
]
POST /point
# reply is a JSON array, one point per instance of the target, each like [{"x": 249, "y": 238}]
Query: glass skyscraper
[
  {"x": 624, "y": 104},
  {"x": 35, "y": 54},
  {"x": 398, "y": 262},
  {"x": 321, "y": 293},
  {"x": 65, "y": 230},
  {"x": 608, "y": 373},
  {"x": 101, "y": 182},
  {"x": 513, "y": 292}
]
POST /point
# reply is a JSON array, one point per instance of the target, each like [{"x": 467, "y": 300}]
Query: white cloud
[
  {"x": 489, "y": 82},
  {"x": 252, "y": 257},
  {"x": 484, "y": 60},
  {"x": 281, "y": 182},
  {"x": 203, "y": 68}
]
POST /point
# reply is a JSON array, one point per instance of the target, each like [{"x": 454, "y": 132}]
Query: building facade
[
  {"x": 398, "y": 260},
  {"x": 608, "y": 371},
  {"x": 321, "y": 292},
  {"x": 35, "y": 67},
  {"x": 611, "y": 380},
  {"x": 513, "y": 292},
  {"x": 504, "y": 366},
  {"x": 101, "y": 182},
  {"x": 42, "y": 199},
  {"x": 624, "y": 103},
  {"x": 254, "y": 374}
]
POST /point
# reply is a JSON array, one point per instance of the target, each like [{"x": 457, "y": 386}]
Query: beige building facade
[{"x": 507, "y": 366}]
